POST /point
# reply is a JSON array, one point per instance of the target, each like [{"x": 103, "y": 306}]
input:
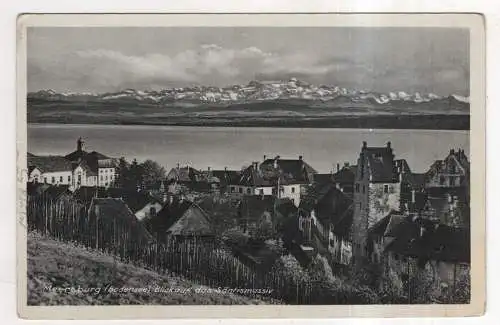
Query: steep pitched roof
[
  {"x": 292, "y": 170},
  {"x": 107, "y": 209},
  {"x": 135, "y": 200},
  {"x": 329, "y": 203},
  {"x": 193, "y": 222},
  {"x": 184, "y": 174},
  {"x": 54, "y": 192},
  {"x": 50, "y": 164},
  {"x": 380, "y": 165}
]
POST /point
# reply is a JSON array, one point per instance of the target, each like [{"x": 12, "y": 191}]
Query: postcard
[{"x": 250, "y": 166}]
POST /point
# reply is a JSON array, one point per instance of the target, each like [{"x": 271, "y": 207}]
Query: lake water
[{"x": 219, "y": 147}]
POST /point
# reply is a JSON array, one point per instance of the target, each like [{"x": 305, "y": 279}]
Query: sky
[{"x": 106, "y": 59}]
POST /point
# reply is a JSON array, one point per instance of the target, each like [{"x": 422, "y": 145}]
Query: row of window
[
  {"x": 102, "y": 170},
  {"x": 261, "y": 191},
  {"x": 102, "y": 178},
  {"x": 53, "y": 179}
]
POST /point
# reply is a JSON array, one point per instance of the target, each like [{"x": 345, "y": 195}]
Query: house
[
  {"x": 50, "y": 170},
  {"x": 325, "y": 221},
  {"x": 106, "y": 215},
  {"x": 344, "y": 178},
  {"x": 416, "y": 249},
  {"x": 449, "y": 206},
  {"x": 453, "y": 171},
  {"x": 181, "y": 219},
  {"x": 83, "y": 175},
  {"x": 182, "y": 179},
  {"x": 141, "y": 203},
  {"x": 284, "y": 178},
  {"x": 377, "y": 191},
  {"x": 92, "y": 168}
]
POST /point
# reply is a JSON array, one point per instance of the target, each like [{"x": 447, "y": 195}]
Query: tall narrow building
[{"x": 377, "y": 191}]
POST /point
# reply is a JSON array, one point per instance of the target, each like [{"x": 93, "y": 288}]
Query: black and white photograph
[{"x": 248, "y": 165}]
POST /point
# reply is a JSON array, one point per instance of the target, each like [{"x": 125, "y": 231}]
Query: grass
[{"x": 55, "y": 266}]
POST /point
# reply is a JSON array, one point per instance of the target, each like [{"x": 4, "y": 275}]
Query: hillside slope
[{"x": 54, "y": 266}]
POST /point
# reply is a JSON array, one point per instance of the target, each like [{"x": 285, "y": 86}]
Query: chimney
[
  {"x": 388, "y": 144},
  {"x": 452, "y": 151},
  {"x": 364, "y": 144},
  {"x": 264, "y": 158},
  {"x": 225, "y": 169},
  {"x": 338, "y": 167},
  {"x": 208, "y": 168},
  {"x": 300, "y": 158},
  {"x": 346, "y": 164},
  {"x": 178, "y": 166}
]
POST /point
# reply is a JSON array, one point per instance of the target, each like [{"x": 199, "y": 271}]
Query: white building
[{"x": 284, "y": 178}]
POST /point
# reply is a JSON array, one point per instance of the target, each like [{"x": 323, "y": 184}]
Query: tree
[
  {"x": 151, "y": 172},
  {"x": 122, "y": 173}
]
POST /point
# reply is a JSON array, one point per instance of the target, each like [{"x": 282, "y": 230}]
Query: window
[
  {"x": 357, "y": 188},
  {"x": 232, "y": 189},
  {"x": 61, "y": 179},
  {"x": 261, "y": 191},
  {"x": 45, "y": 179},
  {"x": 274, "y": 191},
  {"x": 102, "y": 178},
  {"x": 386, "y": 188},
  {"x": 293, "y": 189},
  {"x": 79, "y": 179},
  {"x": 53, "y": 180},
  {"x": 69, "y": 179},
  {"x": 364, "y": 189},
  {"x": 240, "y": 190},
  {"x": 249, "y": 190},
  {"x": 458, "y": 180},
  {"x": 106, "y": 178}
]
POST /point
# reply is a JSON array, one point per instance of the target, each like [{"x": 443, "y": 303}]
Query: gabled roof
[
  {"x": 380, "y": 165},
  {"x": 76, "y": 155},
  {"x": 135, "y": 200},
  {"x": 184, "y": 174},
  {"x": 49, "y": 164},
  {"x": 329, "y": 203},
  {"x": 108, "y": 209},
  {"x": 54, "y": 192},
  {"x": 193, "y": 222},
  {"x": 423, "y": 239},
  {"x": 85, "y": 194},
  {"x": 253, "y": 176},
  {"x": 292, "y": 170}
]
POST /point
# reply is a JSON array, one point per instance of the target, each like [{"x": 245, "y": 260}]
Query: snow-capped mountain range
[{"x": 253, "y": 91}]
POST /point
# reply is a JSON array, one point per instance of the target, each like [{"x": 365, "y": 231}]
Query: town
[{"x": 372, "y": 224}]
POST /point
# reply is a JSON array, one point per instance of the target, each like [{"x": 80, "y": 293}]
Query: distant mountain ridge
[{"x": 280, "y": 93}]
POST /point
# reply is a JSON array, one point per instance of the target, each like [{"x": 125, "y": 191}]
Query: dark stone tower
[{"x": 79, "y": 144}]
